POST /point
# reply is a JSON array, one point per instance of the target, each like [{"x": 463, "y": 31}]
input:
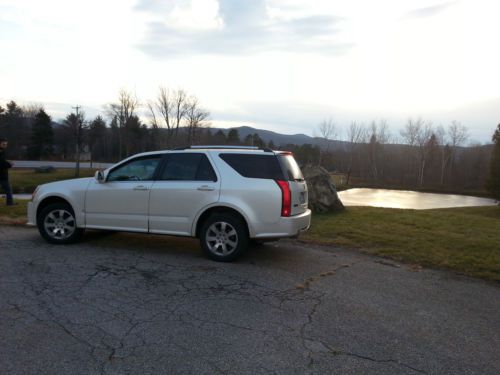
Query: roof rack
[{"x": 224, "y": 147}]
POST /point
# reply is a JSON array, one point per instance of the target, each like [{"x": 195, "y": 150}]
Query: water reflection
[{"x": 408, "y": 199}]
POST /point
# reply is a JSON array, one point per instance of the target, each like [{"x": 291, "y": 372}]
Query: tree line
[
  {"x": 175, "y": 118},
  {"x": 420, "y": 156}
]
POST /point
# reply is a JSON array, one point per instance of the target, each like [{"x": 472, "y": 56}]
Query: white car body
[{"x": 176, "y": 207}]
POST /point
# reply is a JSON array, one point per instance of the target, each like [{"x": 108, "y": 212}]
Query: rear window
[
  {"x": 254, "y": 166},
  {"x": 291, "y": 168}
]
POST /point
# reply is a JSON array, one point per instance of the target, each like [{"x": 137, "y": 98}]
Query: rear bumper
[{"x": 286, "y": 227}]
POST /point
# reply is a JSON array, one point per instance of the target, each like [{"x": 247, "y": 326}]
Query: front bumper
[{"x": 31, "y": 214}]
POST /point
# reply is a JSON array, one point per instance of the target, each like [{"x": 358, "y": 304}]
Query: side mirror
[{"x": 99, "y": 176}]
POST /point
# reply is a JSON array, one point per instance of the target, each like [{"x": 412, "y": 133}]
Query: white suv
[{"x": 223, "y": 195}]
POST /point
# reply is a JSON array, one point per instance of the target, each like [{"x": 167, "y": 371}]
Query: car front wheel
[
  {"x": 57, "y": 224},
  {"x": 223, "y": 237}
]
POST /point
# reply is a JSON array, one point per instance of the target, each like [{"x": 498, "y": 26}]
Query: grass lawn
[
  {"x": 26, "y": 181},
  {"x": 462, "y": 239},
  {"x": 13, "y": 215}
]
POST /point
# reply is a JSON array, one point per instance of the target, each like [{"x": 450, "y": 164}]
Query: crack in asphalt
[
  {"x": 188, "y": 283},
  {"x": 364, "y": 357},
  {"x": 306, "y": 285},
  {"x": 44, "y": 300}
]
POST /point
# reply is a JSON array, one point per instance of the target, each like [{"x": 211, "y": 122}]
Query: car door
[
  {"x": 121, "y": 201},
  {"x": 185, "y": 185}
]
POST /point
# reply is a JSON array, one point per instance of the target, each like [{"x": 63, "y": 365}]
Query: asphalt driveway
[{"x": 132, "y": 304}]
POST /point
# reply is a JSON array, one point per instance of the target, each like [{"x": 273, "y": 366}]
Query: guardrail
[{"x": 58, "y": 164}]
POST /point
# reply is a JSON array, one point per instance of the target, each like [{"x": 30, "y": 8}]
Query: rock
[{"x": 321, "y": 190}]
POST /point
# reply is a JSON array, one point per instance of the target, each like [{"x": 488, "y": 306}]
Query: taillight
[{"x": 286, "y": 198}]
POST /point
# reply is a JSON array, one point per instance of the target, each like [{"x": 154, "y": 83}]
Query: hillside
[{"x": 282, "y": 139}]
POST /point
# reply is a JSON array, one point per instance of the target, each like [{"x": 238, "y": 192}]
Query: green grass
[
  {"x": 26, "y": 181},
  {"x": 462, "y": 239},
  {"x": 13, "y": 214}
]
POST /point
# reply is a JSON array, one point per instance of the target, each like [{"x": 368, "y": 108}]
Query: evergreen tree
[
  {"x": 493, "y": 183},
  {"x": 76, "y": 129},
  {"x": 42, "y": 136},
  {"x": 97, "y": 138},
  {"x": 133, "y": 134},
  {"x": 2, "y": 121},
  {"x": 233, "y": 137},
  {"x": 219, "y": 138},
  {"x": 114, "y": 144},
  {"x": 15, "y": 127},
  {"x": 254, "y": 140}
]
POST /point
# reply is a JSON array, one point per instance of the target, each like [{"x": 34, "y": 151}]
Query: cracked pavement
[{"x": 121, "y": 303}]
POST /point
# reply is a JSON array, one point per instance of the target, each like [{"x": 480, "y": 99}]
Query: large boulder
[{"x": 322, "y": 193}]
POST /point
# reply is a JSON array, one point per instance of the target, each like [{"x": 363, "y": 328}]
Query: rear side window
[
  {"x": 187, "y": 167},
  {"x": 254, "y": 166},
  {"x": 291, "y": 168}
]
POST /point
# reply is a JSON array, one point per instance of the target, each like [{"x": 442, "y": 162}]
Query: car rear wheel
[
  {"x": 57, "y": 224},
  {"x": 223, "y": 237}
]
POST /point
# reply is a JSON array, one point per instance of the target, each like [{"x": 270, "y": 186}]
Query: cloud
[
  {"x": 430, "y": 10},
  {"x": 241, "y": 14},
  {"x": 243, "y": 27}
]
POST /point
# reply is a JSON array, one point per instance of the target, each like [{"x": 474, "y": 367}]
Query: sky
[{"x": 281, "y": 65}]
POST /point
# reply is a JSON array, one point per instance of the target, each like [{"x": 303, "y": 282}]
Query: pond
[{"x": 408, "y": 199}]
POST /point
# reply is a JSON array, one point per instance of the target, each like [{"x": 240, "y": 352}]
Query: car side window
[
  {"x": 141, "y": 169},
  {"x": 188, "y": 167},
  {"x": 254, "y": 166}
]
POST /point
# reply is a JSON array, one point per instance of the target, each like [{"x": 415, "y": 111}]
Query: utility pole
[{"x": 78, "y": 126}]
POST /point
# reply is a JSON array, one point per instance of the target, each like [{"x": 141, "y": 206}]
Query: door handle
[
  {"x": 206, "y": 188},
  {"x": 141, "y": 187}
]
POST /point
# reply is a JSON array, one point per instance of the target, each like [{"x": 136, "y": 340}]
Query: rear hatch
[{"x": 298, "y": 186}]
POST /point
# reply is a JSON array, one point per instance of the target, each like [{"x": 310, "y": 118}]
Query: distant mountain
[
  {"x": 281, "y": 139},
  {"x": 301, "y": 139}
]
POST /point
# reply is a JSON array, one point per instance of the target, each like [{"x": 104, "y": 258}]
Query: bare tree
[
  {"x": 458, "y": 135},
  {"x": 426, "y": 142},
  {"x": 417, "y": 135},
  {"x": 378, "y": 136},
  {"x": 171, "y": 105},
  {"x": 327, "y": 131},
  {"x": 154, "y": 121},
  {"x": 180, "y": 99},
  {"x": 355, "y": 136},
  {"x": 164, "y": 106},
  {"x": 445, "y": 151},
  {"x": 411, "y": 130},
  {"x": 195, "y": 117},
  {"x": 155, "y": 139},
  {"x": 122, "y": 111},
  {"x": 373, "y": 146},
  {"x": 383, "y": 133}
]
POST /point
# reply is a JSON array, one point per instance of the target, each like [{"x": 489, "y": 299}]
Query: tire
[
  {"x": 57, "y": 224},
  {"x": 223, "y": 237}
]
